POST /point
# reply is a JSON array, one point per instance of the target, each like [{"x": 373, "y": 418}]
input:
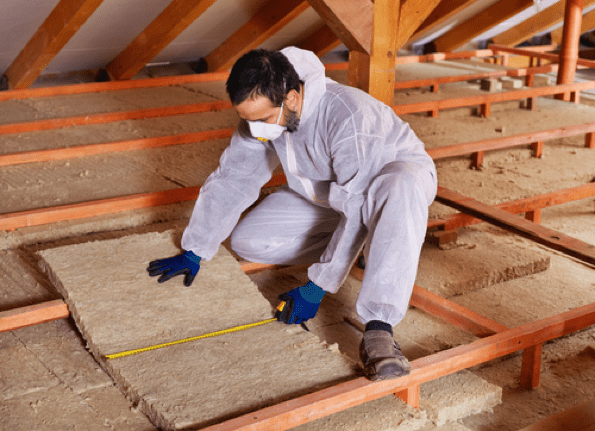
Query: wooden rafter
[
  {"x": 268, "y": 20},
  {"x": 413, "y": 14},
  {"x": 480, "y": 23},
  {"x": 444, "y": 11},
  {"x": 587, "y": 24},
  {"x": 58, "y": 28},
  {"x": 351, "y": 20},
  {"x": 161, "y": 32},
  {"x": 536, "y": 24},
  {"x": 321, "y": 42}
]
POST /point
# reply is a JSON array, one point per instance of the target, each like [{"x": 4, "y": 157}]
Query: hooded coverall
[{"x": 356, "y": 174}]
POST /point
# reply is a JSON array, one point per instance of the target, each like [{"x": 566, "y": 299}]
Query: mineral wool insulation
[{"x": 118, "y": 307}]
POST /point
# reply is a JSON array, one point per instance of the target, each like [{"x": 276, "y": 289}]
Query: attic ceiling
[{"x": 59, "y": 36}]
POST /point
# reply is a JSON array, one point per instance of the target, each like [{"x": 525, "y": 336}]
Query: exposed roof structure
[{"x": 122, "y": 37}]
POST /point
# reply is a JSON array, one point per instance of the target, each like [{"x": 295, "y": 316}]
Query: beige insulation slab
[{"x": 117, "y": 307}]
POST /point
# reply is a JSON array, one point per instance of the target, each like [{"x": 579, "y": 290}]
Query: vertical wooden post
[
  {"x": 486, "y": 109},
  {"x": 410, "y": 396},
  {"x": 534, "y": 216},
  {"x": 477, "y": 159},
  {"x": 530, "y": 367},
  {"x": 590, "y": 140},
  {"x": 537, "y": 148},
  {"x": 358, "y": 74},
  {"x": 382, "y": 58},
  {"x": 573, "y": 16}
]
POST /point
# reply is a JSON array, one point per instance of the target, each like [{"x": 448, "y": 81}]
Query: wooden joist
[
  {"x": 358, "y": 391},
  {"x": 55, "y": 32},
  {"x": 268, "y": 20},
  {"x": 33, "y": 315},
  {"x": 498, "y": 49},
  {"x": 413, "y": 14},
  {"x": 540, "y": 234},
  {"x": 480, "y": 23},
  {"x": 176, "y": 17}
]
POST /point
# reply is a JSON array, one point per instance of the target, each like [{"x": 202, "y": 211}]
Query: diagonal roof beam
[
  {"x": 480, "y": 23},
  {"x": 55, "y": 32},
  {"x": 413, "y": 14},
  {"x": 588, "y": 23},
  {"x": 443, "y": 12},
  {"x": 351, "y": 20},
  {"x": 321, "y": 42},
  {"x": 174, "y": 19},
  {"x": 268, "y": 20},
  {"x": 536, "y": 24}
]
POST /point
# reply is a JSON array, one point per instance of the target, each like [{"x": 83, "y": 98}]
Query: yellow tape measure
[{"x": 198, "y": 337}]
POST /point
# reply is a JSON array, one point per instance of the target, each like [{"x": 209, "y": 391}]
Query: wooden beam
[
  {"x": 480, "y": 23},
  {"x": 382, "y": 58},
  {"x": 511, "y": 222},
  {"x": 588, "y": 23},
  {"x": 443, "y": 12},
  {"x": 33, "y": 315},
  {"x": 268, "y": 20},
  {"x": 321, "y": 42},
  {"x": 351, "y": 20},
  {"x": 349, "y": 394},
  {"x": 58, "y": 28},
  {"x": 539, "y": 22},
  {"x": 176, "y": 17},
  {"x": 413, "y": 14},
  {"x": 138, "y": 114}
]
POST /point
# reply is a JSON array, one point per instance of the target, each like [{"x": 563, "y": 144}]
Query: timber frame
[{"x": 494, "y": 341}]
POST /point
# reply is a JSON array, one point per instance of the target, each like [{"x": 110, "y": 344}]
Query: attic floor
[{"x": 568, "y": 368}]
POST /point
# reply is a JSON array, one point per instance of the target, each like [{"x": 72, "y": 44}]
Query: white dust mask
[{"x": 265, "y": 131}]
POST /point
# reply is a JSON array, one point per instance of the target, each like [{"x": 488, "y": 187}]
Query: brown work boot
[{"x": 381, "y": 356}]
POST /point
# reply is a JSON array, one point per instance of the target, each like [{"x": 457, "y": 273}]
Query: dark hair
[{"x": 261, "y": 72}]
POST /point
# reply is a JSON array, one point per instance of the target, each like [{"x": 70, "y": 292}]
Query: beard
[{"x": 291, "y": 121}]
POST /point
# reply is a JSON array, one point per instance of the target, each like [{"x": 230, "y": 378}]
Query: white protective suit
[{"x": 355, "y": 174}]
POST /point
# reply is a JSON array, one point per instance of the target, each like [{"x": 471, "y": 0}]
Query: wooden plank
[
  {"x": 409, "y": 108},
  {"x": 588, "y": 23},
  {"x": 321, "y": 42},
  {"x": 55, "y": 32},
  {"x": 176, "y": 17},
  {"x": 578, "y": 418},
  {"x": 97, "y": 87},
  {"x": 12, "y": 221},
  {"x": 413, "y": 14},
  {"x": 537, "y": 23},
  {"x": 443, "y": 12},
  {"x": 382, "y": 56},
  {"x": 139, "y": 114},
  {"x": 539, "y": 55},
  {"x": 359, "y": 70},
  {"x": 531, "y": 367},
  {"x": 358, "y": 391},
  {"x": 268, "y": 20},
  {"x": 33, "y": 315},
  {"x": 519, "y": 206},
  {"x": 480, "y": 23},
  {"x": 351, "y": 20},
  {"x": 110, "y": 147},
  {"x": 542, "y": 235},
  {"x": 509, "y": 141}
]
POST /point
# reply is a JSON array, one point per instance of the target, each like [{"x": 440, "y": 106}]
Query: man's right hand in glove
[{"x": 186, "y": 263}]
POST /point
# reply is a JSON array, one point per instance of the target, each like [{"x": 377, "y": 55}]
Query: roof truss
[
  {"x": 55, "y": 32},
  {"x": 268, "y": 20},
  {"x": 161, "y": 32},
  {"x": 480, "y": 23},
  {"x": 443, "y": 12},
  {"x": 588, "y": 23}
]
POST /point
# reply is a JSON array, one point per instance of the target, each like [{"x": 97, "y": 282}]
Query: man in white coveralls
[{"x": 356, "y": 174}]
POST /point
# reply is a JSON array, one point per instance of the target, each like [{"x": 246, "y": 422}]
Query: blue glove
[
  {"x": 186, "y": 263},
  {"x": 301, "y": 304}
]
